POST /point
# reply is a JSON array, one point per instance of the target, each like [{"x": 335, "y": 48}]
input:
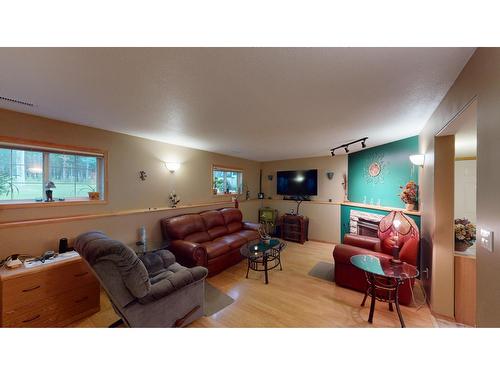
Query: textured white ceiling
[{"x": 255, "y": 103}]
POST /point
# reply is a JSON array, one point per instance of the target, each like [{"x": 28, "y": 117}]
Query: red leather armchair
[
  {"x": 348, "y": 276},
  {"x": 211, "y": 239}
]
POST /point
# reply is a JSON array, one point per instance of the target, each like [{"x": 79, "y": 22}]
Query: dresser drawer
[
  {"x": 55, "y": 311},
  {"x": 33, "y": 287}
]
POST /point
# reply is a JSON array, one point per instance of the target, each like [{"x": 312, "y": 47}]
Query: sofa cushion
[
  {"x": 186, "y": 227},
  {"x": 233, "y": 219},
  {"x": 216, "y": 248},
  {"x": 214, "y": 223},
  {"x": 234, "y": 240},
  {"x": 250, "y": 235}
]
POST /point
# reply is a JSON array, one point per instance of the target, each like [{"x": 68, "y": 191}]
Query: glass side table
[
  {"x": 148, "y": 247},
  {"x": 263, "y": 256},
  {"x": 384, "y": 279}
]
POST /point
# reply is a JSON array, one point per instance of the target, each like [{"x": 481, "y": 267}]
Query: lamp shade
[
  {"x": 396, "y": 222},
  {"x": 172, "y": 166},
  {"x": 417, "y": 159}
]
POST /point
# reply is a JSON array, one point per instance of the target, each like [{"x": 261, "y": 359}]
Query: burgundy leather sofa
[
  {"x": 211, "y": 239},
  {"x": 349, "y": 276}
]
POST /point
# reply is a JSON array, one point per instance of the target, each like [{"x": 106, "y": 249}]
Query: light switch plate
[{"x": 486, "y": 239}]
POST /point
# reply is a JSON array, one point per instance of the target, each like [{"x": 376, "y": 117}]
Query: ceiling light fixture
[{"x": 345, "y": 146}]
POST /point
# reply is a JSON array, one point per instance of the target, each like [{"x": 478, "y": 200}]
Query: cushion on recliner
[
  {"x": 157, "y": 261},
  {"x": 174, "y": 281},
  {"x": 96, "y": 246}
]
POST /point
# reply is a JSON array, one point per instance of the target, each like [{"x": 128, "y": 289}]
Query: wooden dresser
[
  {"x": 49, "y": 295},
  {"x": 294, "y": 228}
]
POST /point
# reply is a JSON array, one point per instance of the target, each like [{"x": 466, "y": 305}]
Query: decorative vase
[
  {"x": 461, "y": 245},
  {"x": 410, "y": 206},
  {"x": 94, "y": 195}
]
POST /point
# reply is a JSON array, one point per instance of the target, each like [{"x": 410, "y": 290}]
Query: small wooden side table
[{"x": 294, "y": 228}]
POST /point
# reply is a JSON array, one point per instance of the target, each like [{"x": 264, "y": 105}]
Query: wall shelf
[{"x": 381, "y": 208}]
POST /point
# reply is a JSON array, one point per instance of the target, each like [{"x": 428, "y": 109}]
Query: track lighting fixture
[{"x": 345, "y": 146}]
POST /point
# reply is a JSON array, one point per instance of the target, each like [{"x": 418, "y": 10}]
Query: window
[
  {"x": 25, "y": 171},
  {"x": 226, "y": 180}
]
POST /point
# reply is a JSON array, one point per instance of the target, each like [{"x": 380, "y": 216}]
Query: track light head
[
  {"x": 363, "y": 144},
  {"x": 332, "y": 152},
  {"x": 346, "y": 149}
]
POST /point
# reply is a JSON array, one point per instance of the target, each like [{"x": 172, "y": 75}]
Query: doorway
[{"x": 455, "y": 186}]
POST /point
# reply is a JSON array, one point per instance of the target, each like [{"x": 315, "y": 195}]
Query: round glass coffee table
[
  {"x": 384, "y": 279},
  {"x": 263, "y": 256}
]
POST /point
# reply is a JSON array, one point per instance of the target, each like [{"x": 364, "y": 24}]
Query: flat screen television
[{"x": 297, "y": 183}]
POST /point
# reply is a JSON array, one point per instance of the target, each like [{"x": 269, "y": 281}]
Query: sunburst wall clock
[{"x": 374, "y": 168}]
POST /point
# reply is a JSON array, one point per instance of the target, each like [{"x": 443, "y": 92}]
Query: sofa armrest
[
  {"x": 365, "y": 242},
  {"x": 189, "y": 253},
  {"x": 251, "y": 226}
]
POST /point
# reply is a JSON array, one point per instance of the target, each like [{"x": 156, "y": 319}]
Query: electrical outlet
[{"x": 486, "y": 239}]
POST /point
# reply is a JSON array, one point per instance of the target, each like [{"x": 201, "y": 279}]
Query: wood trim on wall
[
  {"x": 49, "y": 145},
  {"x": 466, "y": 158},
  {"x": 63, "y": 219}
]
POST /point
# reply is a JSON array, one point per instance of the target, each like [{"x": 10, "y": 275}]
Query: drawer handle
[
  {"x": 81, "y": 274},
  {"x": 32, "y": 288},
  {"x": 82, "y": 299},
  {"x": 31, "y": 319}
]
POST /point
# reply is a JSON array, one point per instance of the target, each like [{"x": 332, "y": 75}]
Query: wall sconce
[
  {"x": 329, "y": 175},
  {"x": 270, "y": 177},
  {"x": 172, "y": 166},
  {"x": 418, "y": 159}
]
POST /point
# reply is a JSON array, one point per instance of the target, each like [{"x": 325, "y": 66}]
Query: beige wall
[
  {"x": 478, "y": 78},
  {"x": 324, "y": 219},
  {"x": 127, "y": 155}
]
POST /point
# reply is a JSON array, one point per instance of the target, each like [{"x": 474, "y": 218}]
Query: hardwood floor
[{"x": 291, "y": 299}]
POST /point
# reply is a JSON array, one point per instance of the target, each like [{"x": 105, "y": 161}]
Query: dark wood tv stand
[{"x": 294, "y": 228}]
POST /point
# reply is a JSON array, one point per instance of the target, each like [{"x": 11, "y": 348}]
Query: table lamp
[{"x": 399, "y": 225}]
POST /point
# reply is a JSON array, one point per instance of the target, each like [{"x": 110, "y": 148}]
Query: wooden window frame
[
  {"x": 229, "y": 169},
  {"x": 48, "y": 147}
]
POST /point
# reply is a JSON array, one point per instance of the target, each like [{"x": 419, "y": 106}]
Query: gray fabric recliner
[{"x": 150, "y": 291}]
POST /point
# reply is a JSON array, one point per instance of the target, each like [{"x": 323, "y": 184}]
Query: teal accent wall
[
  {"x": 396, "y": 171},
  {"x": 345, "y": 214}
]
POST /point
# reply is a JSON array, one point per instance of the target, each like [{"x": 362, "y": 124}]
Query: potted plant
[
  {"x": 7, "y": 184},
  {"x": 174, "y": 199},
  {"x": 93, "y": 194},
  {"x": 409, "y": 195},
  {"x": 465, "y": 234},
  {"x": 48, "y": 191}
]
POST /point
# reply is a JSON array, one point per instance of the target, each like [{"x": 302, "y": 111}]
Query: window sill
[
  {"x": 68, "y": 202},
  {"x": 227, "y": 195}
]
